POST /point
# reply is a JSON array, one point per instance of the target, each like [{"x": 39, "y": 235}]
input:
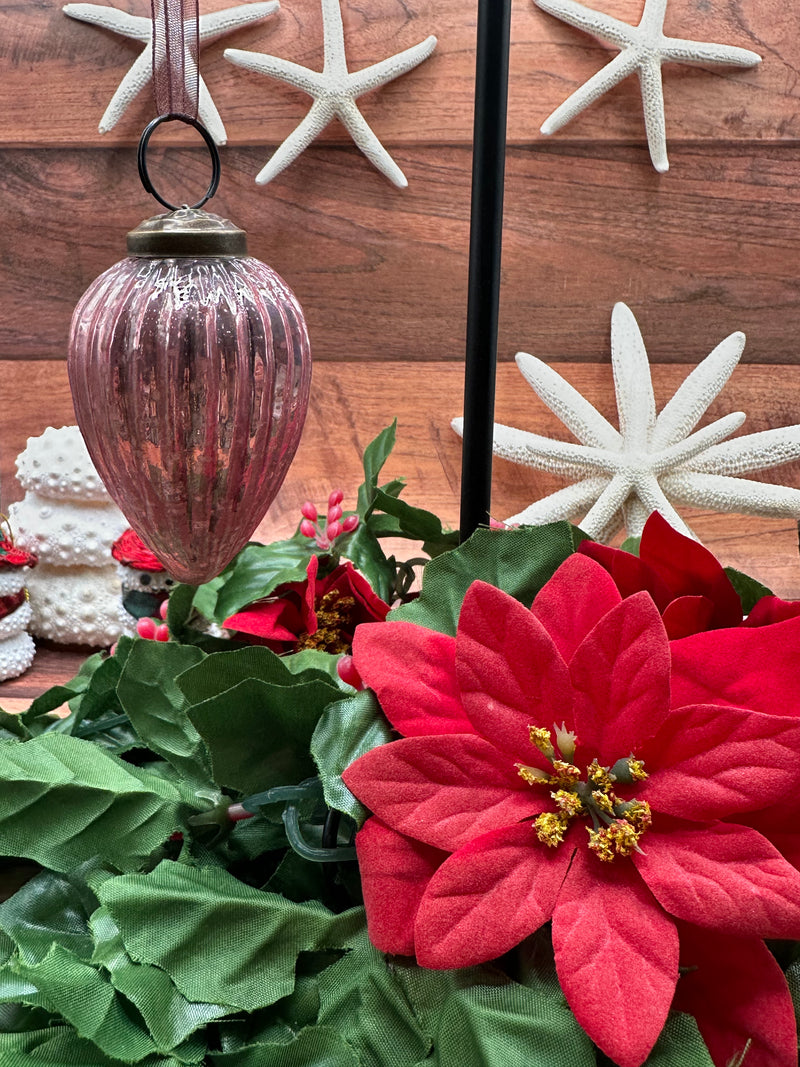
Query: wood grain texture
[
  {"x": 699, "y": 252},
  {"x": 350, "y": 403},
  {"x": 78, "y": 67}
]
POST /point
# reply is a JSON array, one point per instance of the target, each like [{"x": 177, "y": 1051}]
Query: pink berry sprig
[
  {"x": 151, "y": 629},
  {"x": 335, "y": 526}
]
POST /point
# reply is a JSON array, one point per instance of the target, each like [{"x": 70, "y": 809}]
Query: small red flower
[
  {"x": 626, "y": 823},
  {"x": 687, "y": 583},
  {"x": 12, "y": 556},
  {"x": 317, "y": 613},
  {"x": 130, "y": 550}
]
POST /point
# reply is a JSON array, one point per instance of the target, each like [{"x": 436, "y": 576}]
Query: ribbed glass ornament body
[{"x": 190, "y": 380}]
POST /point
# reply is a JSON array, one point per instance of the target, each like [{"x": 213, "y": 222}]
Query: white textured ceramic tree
[{"x": 68, "y": 520}]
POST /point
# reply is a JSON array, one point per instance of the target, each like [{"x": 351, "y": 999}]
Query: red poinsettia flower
[
  {"x": 625, "y": 824},
  {"x": 130, "y": 550},
  {"x": 687, "y": 583},
  {"x": 13, "y": 556},
  {"x": 317, "y": 613}
]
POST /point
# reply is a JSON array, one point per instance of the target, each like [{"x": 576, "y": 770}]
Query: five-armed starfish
[
  {"x": 643, "y": 49},
  {"x": 335, "y": 91},
  {"x": 653, "y": 461},
  {"x": 140, "y": 28}
]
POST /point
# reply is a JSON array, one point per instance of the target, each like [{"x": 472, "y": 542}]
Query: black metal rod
[{"x": 485, "y": 246}]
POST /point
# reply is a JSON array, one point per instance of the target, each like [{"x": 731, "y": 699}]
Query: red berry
[
  {"x": 146, "y": 628},
  {"x": 334, "y": 513},
  {"x": 350, "y": 523},
  {"x": 307, "y": 528},
  {"x": 162, "y": 632},
  {"x": 332, "y": 530},
  {"x": 348, "y": 673},
  {"x": 336, "y": 497},
  {"x": 236, "y": 813},
  {"x": 308, "y": 511},
  {"x": 162, "y": 611}
]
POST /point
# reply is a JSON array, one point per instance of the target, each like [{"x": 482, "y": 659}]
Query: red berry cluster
[
  {"x": 151, "y": 629},
  {"x": 335, "y": 526}
]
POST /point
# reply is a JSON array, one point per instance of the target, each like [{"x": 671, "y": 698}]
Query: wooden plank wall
[{"x": 708, "y": 248}]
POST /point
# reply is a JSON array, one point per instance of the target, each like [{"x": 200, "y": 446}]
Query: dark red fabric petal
[
  {"x": 723, "y": 877},
  {"x": 745, "y": 667},
  {"x": 771, "y": 609},
  {"x": 445, "y": 790},
  {"x": 578, "y": 595},
  {"x": 620, "y": 674},
  {"x": 509, "y": 672},
  {"x": 395, "y": 872},
  {"x": 708, "y": 762},
  {"x": 630, "y": 574},
  {"x": 616, "y": 955},
  {"x": 273, "y": 620},
  {"x": 489, "y": 896},
  {"x": 687, "y": 615},
  {"x": 689, "y": 569},
  {"x": 737, "y": 993},
  {"x": 413, "y": 673}
]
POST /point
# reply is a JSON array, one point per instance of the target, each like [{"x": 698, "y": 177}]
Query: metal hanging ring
[{"x": 141, "y": 158}]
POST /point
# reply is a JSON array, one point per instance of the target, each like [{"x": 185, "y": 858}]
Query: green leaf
[
  {"x": 60, "y": 694},
  {"x": 375, "y": 455},
  {"x": 418, "y": 524},
  {"x": 205, "y": 597},
  {"x": 224, "y": 670},
  {"x": 258, "y": 733},
  {"x": 313, "y": 663},
  {"x": 177, "y": 915},
  {"x": 49, "y": 909},
  {"x": 346, "y": 730},
  {"x": 750, "y": 590},
  {"x": 88, "y": 1002},
  {"x": 317, "y": 1046},
  {"x": 365, "y": 552},
  {"x": 519, "y": 561},
  {"x": 12, "y": 728},
  {"x": 64, "y": 801},
  {"x": 156, "y": 707},
  {"x": 631, "y": 544},
  {"x": 258, "y": 569},
  {"x": 60, "y": 1046},
  {"x": 179, "y": 609},
  {"x": 680, "y": 1045},
  {"x": 170, "y": 1018}
]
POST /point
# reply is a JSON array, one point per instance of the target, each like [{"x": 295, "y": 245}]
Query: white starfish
[
  {"x": 140, "y": 74},
  {"x": 335, "y": 91},
  {"x": 643, "y": 49},
  {"x": 652, "y": 462}
]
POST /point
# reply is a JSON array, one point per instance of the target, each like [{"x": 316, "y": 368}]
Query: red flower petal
[
  {"x": 630, "y": 574},
  {"x": 489, "y": 896},
  {"x": 621, "y": 676},
  {"x": 274, "y": 620},
  {"x": 689, "y": 569},
  {"x": 712, "y": 762},
  {"x": 724, "y": 877},
  {"x": 509, "y": 672},
  {"x": 747, "y": 668},
  {"x": 687, "y": 615},
  {"x": 737, "y": 993},
  {"x": 577, "y": 596},
  {"x": 349, "y": 582},
  {"x": 771, "y": 609},
  {"x": 413, "y": 673},
  {"x": 395, "y": 872},
  {"x": 445, "y": 790},
  {"x": 616, "y": 956}
]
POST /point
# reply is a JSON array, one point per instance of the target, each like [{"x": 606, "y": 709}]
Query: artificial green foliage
[
  {"x": 64, "y": 801},
  {"x": 156, "y": 707},
  {"x": 258, "y": 570},
  {"x": 518, "y": 561},
  {"x": 347, "y": 729},
  {"x": 375, "y": 455},
  {"x": 680, "y": 1044}
]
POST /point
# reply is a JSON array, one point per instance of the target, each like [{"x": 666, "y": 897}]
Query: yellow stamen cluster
[
  {"x": 618, "y": 824},
  {"x": 550, "y": 827},
  {"x": 541, "y": 739},
  {"x": 335, "y": 622},
  {"x": 570, "y": 803},
  {"x": 618, "y": 839}
]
